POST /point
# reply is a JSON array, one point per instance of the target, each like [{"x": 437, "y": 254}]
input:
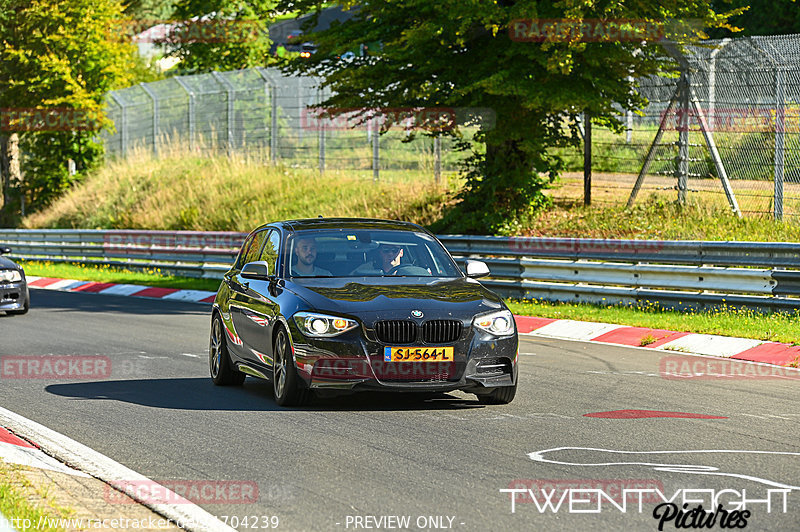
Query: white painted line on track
[
  {"x": 86, "y": 459},
  {"x": 648, "y": 461}
]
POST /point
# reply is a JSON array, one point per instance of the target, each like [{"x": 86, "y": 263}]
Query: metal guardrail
[
  {"x": 186, "y": 253},
  {"x": 679, "y": 274}
]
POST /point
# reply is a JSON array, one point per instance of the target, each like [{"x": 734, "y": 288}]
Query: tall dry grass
[{"x": 187, "y": 190}]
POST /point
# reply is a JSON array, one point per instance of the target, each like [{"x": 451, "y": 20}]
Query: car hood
[
  {"x": 363, "y": 295},
  {"x": 6, "y": 264}
]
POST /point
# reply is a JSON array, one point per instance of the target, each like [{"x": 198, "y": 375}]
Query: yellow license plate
[{"x": 417, "y": 354}]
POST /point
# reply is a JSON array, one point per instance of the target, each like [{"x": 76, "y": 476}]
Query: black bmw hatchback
[{"x": 347, "y": 304}]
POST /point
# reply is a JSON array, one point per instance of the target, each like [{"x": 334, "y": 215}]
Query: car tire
[
  {"x": 289, "y": 391},
  {"x": 219, "y": 360},
  {"x": 501, "y": 395}
]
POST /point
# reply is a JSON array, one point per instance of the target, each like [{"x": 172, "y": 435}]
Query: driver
[
  {"x": 305, "y": 253},
  {"x": 389, "y": 256}
]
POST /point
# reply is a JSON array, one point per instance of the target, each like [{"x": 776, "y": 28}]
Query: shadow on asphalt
[
  {"x": 254, "y": 395},
  {"x": 101, "y": 303}
]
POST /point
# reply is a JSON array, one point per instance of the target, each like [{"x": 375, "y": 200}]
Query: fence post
[
  {"x": 376, "y": 135},
  {"x": 712, "y": 84},
  {"x": 153, "y": 97},
  {"x": 192, "y": 111},
  {"x": 321, "y": 126},
  {"x": 123, "y": 131},
  {"x": 683, "y": 138},
  {"x": 229, "y": 89},
  {"x": 587, "y": 158},
  {"x": 270, "y": 88},
  {"x": 780, "y": 136},
  {"x": 628, "y": 127},
  {"x": 437, "y": 159},
  {"x": 300, "y": 105}
]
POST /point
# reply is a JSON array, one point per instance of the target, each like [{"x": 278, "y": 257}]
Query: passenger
[{"x": 305, "y": 253}]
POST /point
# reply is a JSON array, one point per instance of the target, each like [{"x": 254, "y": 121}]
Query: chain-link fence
[
  {"x": 726, "y": 133},
  {"x": 729, "y": 133},
  {"x": 265, "y": 114}
]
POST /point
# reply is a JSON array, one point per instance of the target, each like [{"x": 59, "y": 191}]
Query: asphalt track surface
[{"x": 370, "y": 456}]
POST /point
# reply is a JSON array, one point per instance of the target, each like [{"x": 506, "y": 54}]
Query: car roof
[{"x": 347, "y": 223}]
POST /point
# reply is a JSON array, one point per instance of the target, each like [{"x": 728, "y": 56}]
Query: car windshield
[{"x": 368, "y": 253}]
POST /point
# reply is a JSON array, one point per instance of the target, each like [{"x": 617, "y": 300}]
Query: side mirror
[
  {"x": 476, "y": 268},
  {"x": 3, "y": 251},
  {"x": 258, "y": 270}
]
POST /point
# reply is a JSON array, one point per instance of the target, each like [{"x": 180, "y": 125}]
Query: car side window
[
  {"x": 243, "y": 251},
  {"x": 270, "y": 252},
  {"x": 251, "y": 249}
]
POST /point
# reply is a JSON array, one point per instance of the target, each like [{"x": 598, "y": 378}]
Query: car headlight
[
  {"x": 323, "y": 325},
  {"x": 11, "y": 276},
  {"x": 498, "y": 323}
]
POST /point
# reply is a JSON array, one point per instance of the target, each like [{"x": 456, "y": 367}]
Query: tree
[
  {"x": 220, "y": 34},
  {"x": 154, "y": 10},
  {"x": 58, "y": 60},
  {"x": 763, "y": 17},
  {"x": 459, "y": 53}
]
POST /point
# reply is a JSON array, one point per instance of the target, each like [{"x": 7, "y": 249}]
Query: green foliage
[
  {"x": 58, "y": 55},
  {"x": 45, "y": 161},
  {"x": 458, "y": 53},
  {"x": 764, "y": 17},
  {"x": 220, "y": 34},
  {"x": 149, "y": 9}
]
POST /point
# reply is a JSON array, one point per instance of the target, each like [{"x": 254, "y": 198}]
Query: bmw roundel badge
[{"x": 416, "y": 313}]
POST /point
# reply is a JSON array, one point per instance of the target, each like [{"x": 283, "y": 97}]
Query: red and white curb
[
  {"x": 92, "y": 287},
  {"x": 662, "y": 340},
  {"x": 15, "y": 450},
  {"x": 87, "y": 460}
]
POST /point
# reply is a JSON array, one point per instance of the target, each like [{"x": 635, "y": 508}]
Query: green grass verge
[
  {"x": 14, "y": 504},
  {"x": 658, "y": 219},
  {"x": 775, "y": 327},
  {"x": 107, "y": 274}
]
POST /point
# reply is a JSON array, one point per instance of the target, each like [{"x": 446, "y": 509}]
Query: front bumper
[
  {"x": 13, "y": 296},
  {"x": 354, "y": 361}
]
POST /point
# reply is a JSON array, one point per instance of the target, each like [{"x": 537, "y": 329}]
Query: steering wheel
[{"x": 393, "y": 271}]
